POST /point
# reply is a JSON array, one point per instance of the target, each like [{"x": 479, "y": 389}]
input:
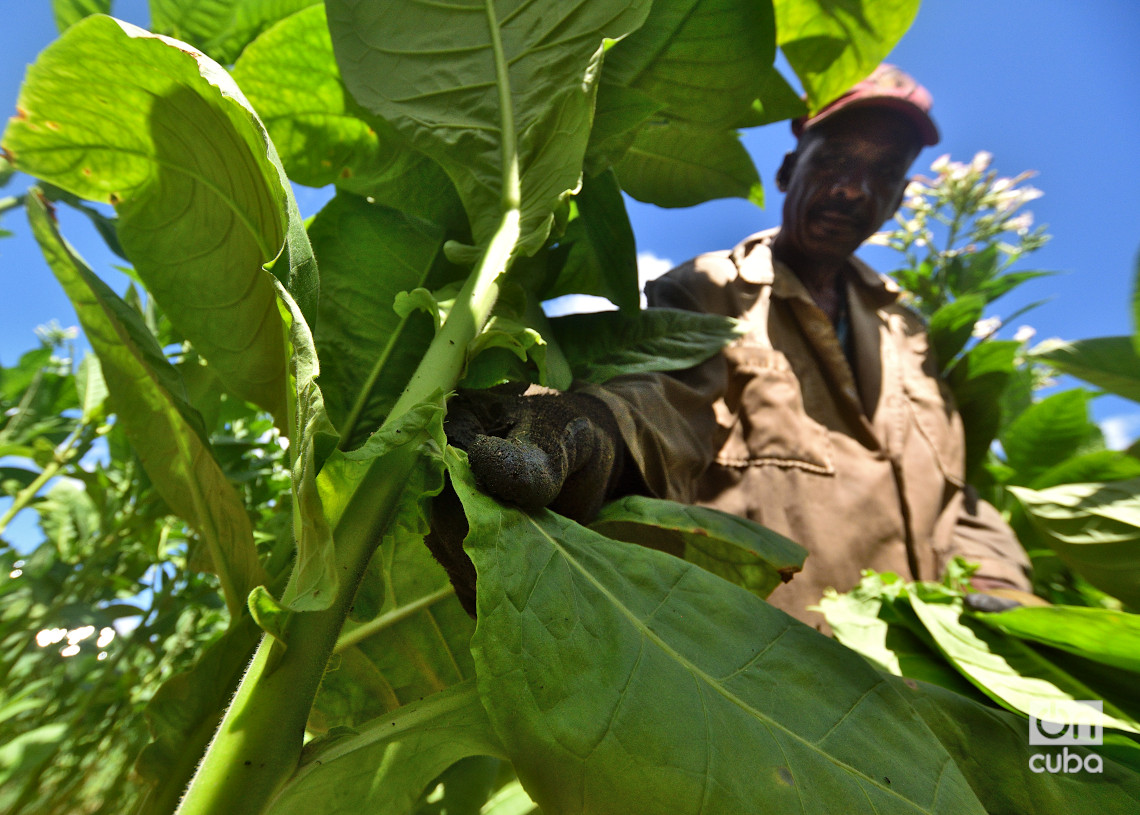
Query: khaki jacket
[{"x": 862, "y": 467}]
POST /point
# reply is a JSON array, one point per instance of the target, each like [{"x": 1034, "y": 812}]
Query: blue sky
[{"x": 1045, "y": 85}]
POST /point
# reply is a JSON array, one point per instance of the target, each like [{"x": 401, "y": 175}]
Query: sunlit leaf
[
  {"x": 430, "y": 70},
  {"x": 385, "y": 766},
  {"x": 1007, "y": 669},
  {"x": 675, "y": 164},
  {"x": 149, "y": 401},
  {"x": 832, "y": 44},
  {"x": 1111, "y": 363},
  {"x": 729, "y": 546},
  {"x": 605, "y": 344},
  {"x": 168, "y": 139},
  {"x": 1048, "y": 433},
  {"x": 67, "y": 12},
  {"x": 624, "y": 680},
  {"x": 1094, "y": 528},
  {"x": 1100, "y": 634},
  {"x": 368, "y": 255}
]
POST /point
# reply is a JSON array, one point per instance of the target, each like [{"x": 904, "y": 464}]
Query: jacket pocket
[
  {"x": 770, "y": 426},
  {"x": 932, "y": 411}
]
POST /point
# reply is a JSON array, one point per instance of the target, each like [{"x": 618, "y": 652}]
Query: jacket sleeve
[
  {"x": 668, "y": 420},
  {"x": 982, "y": 536}
]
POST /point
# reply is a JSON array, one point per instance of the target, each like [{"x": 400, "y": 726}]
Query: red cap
[{"x": 887, "y": 87}]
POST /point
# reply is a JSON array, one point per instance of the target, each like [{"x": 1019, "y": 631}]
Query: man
[{"x": 827, "y": 423}]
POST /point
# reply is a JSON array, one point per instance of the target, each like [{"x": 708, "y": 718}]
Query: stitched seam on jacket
[{"x": 786, "y": 463}]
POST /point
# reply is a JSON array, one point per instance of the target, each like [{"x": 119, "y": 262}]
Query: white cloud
[{"x": 1120, "y": 431}]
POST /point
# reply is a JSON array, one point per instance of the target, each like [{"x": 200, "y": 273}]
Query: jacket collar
[{"x": 755, "y": 264}]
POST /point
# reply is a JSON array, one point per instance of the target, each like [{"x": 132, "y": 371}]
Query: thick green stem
[{"x": 259, "y": 741}]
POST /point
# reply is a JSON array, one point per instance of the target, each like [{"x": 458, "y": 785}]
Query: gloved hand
[
  {"x": 539, "y": 448},
  {"x": 533, "y": 448}
]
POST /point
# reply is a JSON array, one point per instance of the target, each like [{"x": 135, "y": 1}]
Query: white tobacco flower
[
  {"x": 985, "y": 327},
  {"x": 1025, "y": 333},
  {"x": 981, "y": 161},
  {"x": 941, "y": 163},
  {"x": 1021, "y": 223}
]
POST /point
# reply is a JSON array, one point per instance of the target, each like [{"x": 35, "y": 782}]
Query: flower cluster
[{"x": 961, "y": 229}]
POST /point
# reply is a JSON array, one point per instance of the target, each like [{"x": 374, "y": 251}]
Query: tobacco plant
[{"x": 479, "y": 150}]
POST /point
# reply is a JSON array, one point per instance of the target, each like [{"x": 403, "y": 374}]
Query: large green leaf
[
  {"x": 368, "y": 255},
  {"x": 978, "y": 380},
  {"x": 1112, "y": 363},
  {"x": 68, "y": 12},
  {"x": 704, "y": 61},
  {"x": 729, "y": 546},
  {"x": 1048, "y": 433},
  {"x": 621, "y": 680},
  {"x": 385, "y": 766},
  {"x": 1099, "y": 634},
  {"x": 150, "y": 402},
  {"x": 676, "y": 164},
  {"x": 221, "y": 28},
  {"x": 408, "y": 637},
  {"x": 436, "y": 72},
  {"x": 162, "y": 132},
  {"x": 952, "y": 325},
  {"x": 996, "y": 756},
  {"x": 605, "y": 344},
  {"x": 832, "y": 44},
  {"x": 1095, "y": 529},
  {"x": 1007, "y": 669},
  {"x": 871, "y": 620},
  {"x": 290, "y": 76},
  {"x": 315, "y": 575},
  {"x": 603, "y": 255}
]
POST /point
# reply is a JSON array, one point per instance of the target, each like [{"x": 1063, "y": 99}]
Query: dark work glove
[
  {"x": 541, "y": 448},
  {"x": 534, "y": 449}
]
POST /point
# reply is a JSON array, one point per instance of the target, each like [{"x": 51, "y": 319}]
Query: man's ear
[{"x": 784, "y": 174}]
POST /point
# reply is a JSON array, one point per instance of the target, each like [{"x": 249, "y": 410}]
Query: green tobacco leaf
[
  {"x": 978, "y": 381},
  {"x": 184, "y": 713},
  {"x": 1111, "y": 363},
  {"x": 368, "y": 255},
  {"x": 169, "y": 140},
  {"x": 996, "y": 755},
  {"x": 1099, "y": 634},
  {"x": 385, "y": 766},
  {"x": 778, "y": 100},
  {"x": 92, "y": 388},
  {"x": 149, "y": 400},
  {"x": 952, "y": 325},
  {"x": 624, "y": 680},
  {"x": 290, "y": 76},
  {"x": 606, "y": 344},
  {"x": 68, "y": 12},
  {"x": 704, "y": 61},
  {"x": 1007, "y": 669},
  {"x": 1095, "y": 529},
  {"x": 867, "y": 620},
  {"x": 832, "y": 44},
  {"x": 603, "y": 254},
  {"x": 221, "y": 28},
  {"x": 1048, "y": 433},
  {"x": 675, "y": 164},
  {"x": 729, "y": 546},
  {"x": 432, "y": 71},
  {"x": 409, "y": 637},
  {"x": 1102, "y": 465},
  {"x": 511, "y": 799}
]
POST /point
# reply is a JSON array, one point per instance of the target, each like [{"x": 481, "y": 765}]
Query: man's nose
[{"x": 852, "y": 186}]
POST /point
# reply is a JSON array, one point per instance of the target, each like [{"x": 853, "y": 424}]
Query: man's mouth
[{"x": 840, "y": 220}]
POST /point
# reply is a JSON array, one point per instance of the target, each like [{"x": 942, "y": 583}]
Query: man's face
[{"x": 845, "y": 179}]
